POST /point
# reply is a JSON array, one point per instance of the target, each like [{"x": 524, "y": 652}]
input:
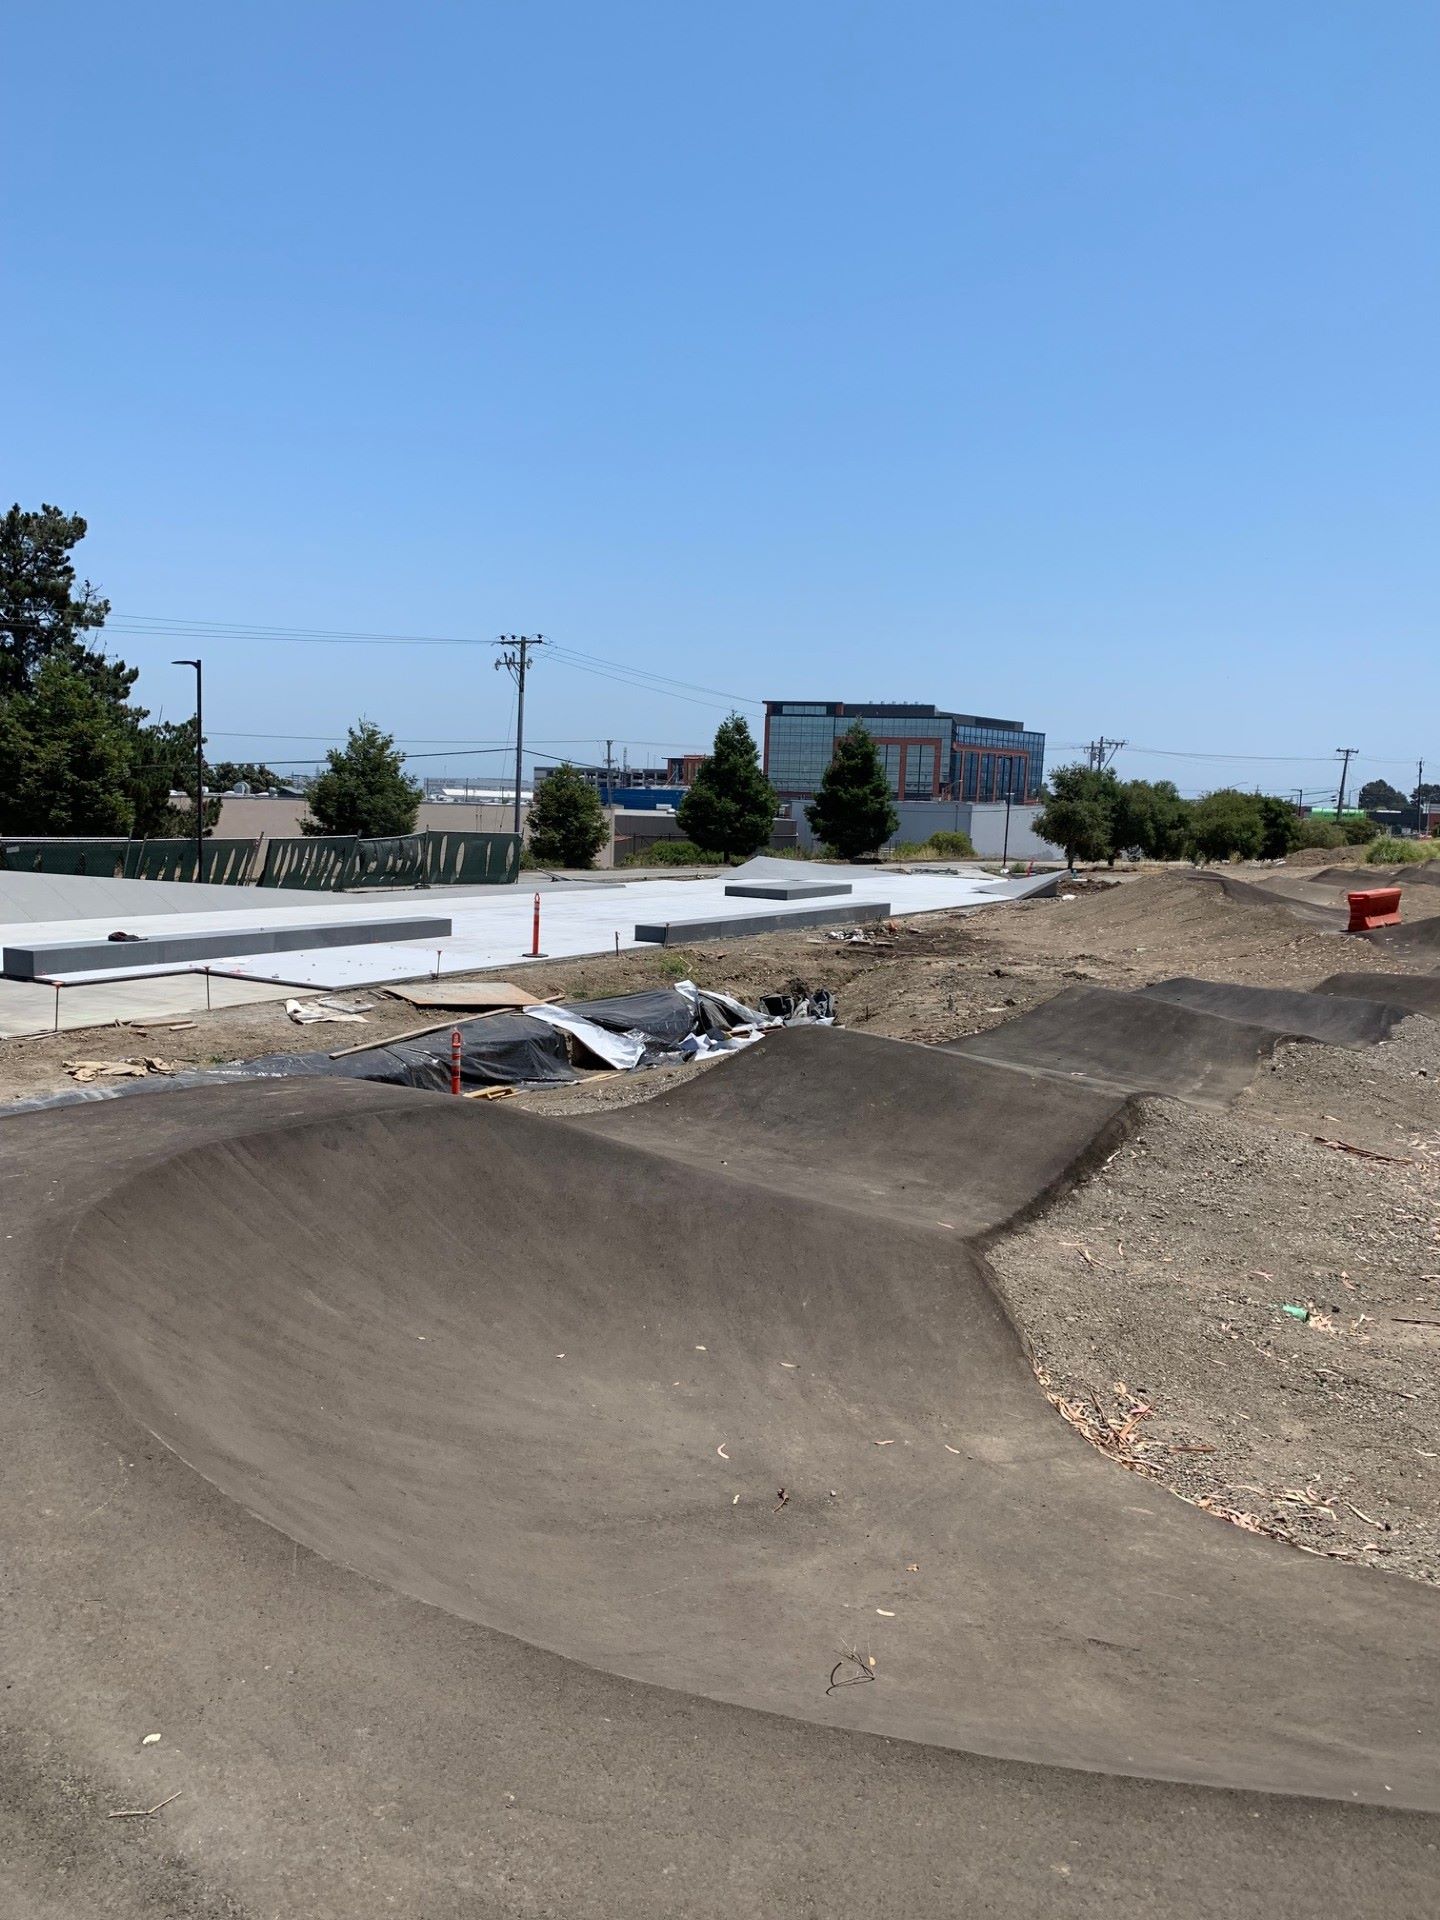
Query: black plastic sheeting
[
  {"x": 503, "y": 1049},
  {"x": 662, "y": 1017},
  {"x": 497, "y": 1049}
]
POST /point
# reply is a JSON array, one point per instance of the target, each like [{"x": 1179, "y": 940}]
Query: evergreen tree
[
  {"x": 730, "y": 808},
  {"x": 566, "y": 823},
  {"x": 1378, "y": 795},
  {"x": 853, "y": 811},
  {"x": 226, "y": 775},
  {"x": 66, "y": 756},
  {"x": 364, "y": 788},
  {"x": 42, "y": 613},
  {"x": 164, "y": 763}
]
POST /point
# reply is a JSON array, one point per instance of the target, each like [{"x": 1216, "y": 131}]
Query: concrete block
[
  {"x": 165, "y": 949},
  {"x": 684, "y": 933},
  {"x": 788, "y": 890}
]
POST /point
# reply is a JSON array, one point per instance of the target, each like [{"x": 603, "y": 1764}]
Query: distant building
[
  {"x": 446, "y": 790},
  {"x": 683, "y": 767},
  {"x": 929, "y": 754},
  {"x": 616, "y": 778}
]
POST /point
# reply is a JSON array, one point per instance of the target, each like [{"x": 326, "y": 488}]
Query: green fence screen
[
  {"x": 226, "y": 863},
  {"x": 313, "y": 861},
  {"x": 397, "y": 860},
  {"x": 106, "y": 858},
  {"x": 471, "y": 859},
  {"x": 316, "y": 862},
  {"x": 431, "y": 859}
]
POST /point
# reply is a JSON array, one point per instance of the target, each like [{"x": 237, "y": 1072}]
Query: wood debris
[
  {"x": 144, "y": 1813},
  {"x": 84, "y": 1071}
]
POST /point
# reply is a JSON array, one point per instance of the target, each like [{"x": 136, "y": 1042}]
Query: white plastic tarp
[{"x": 622, "y": 1050}]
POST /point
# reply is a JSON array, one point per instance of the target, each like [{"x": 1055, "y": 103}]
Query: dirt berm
[{"x": 712, "y": 1394}]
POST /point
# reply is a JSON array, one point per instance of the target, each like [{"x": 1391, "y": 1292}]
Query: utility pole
[
  {"x": 515, "y": 658},
  {"x": 1346, "y": 755},
  {"x": 609, "y": 774},
  {"x": 199, "y": 770},
  {"x": 1419, "y": 782},
  {"x": 1102, "y": 752}
]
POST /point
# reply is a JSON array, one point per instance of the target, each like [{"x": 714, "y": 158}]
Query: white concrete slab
[
  {"x": 492, "y": 928},
  {"x": 81, "y": 896},
  {"x": 27, "y": 1007}
]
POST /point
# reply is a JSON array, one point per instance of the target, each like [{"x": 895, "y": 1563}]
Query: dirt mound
[
  {"x": 1341, "y": 1020},
  {"x": 796, "y": 1419},
  {"x": 1128, "y": 1042},
  {"x": 1156, "y": 912},
  {"x": 1326, "y": 857}
]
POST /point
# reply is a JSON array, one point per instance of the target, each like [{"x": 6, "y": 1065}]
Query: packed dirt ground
[{"x": 1240, "y": 1305}]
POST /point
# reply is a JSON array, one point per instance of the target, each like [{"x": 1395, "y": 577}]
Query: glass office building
[{"x": 929, "y": 754}]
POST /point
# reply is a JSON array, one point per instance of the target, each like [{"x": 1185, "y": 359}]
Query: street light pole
[{"x": 199, "y": 766}]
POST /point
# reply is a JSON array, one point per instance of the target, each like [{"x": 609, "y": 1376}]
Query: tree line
[
  {"x": 1093, "y": 815},
  {"x": 730, "y": 808},
  {"x": 79, "y": 756}
]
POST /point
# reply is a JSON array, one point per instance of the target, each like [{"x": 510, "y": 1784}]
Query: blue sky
[{"x": 1075, "y": 363}]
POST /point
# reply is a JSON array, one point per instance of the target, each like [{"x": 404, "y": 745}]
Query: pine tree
[
  {"x": 364, "y": 788},
  {"x": 566, "y": 823},
  {"x": 730, "y": 808},
  {"x": 43, "y": 615},
  {"x": 854, "y": 812},
  {"x": 65, "y": 756}
]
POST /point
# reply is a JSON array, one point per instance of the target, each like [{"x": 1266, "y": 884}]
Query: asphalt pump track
[{"x": 502, "y": 1514}]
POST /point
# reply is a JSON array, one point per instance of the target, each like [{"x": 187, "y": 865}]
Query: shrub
[
  {"x": 675, "y": 853},
  {"x": 952, "y": 844},
  {"x": 1319, "y": 833},
  {"x": 1358, "y": 832},
  {"x": 1228, "y": 825},
  {"x": 1398, "y": 853}
]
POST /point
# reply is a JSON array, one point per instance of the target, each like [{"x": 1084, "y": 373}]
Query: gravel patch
[{"x": 1162, "y": 1283}]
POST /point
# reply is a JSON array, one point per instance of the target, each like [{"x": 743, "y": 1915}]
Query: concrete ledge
[
  {"x": 682, "y": 933},
  {"x": 788, "y": 890},
  {"x": 165, "y": 949}
]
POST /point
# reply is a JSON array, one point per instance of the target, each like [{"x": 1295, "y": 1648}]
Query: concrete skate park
[{"x": 655, "y": 1511}]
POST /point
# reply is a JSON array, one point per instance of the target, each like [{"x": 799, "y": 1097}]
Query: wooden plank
[
  {"x": 481, "y": 995},
  {"x": 440, "y": 1026}
]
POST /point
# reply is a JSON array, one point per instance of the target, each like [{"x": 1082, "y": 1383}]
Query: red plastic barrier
[{"x": 1380, "y": 907}]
